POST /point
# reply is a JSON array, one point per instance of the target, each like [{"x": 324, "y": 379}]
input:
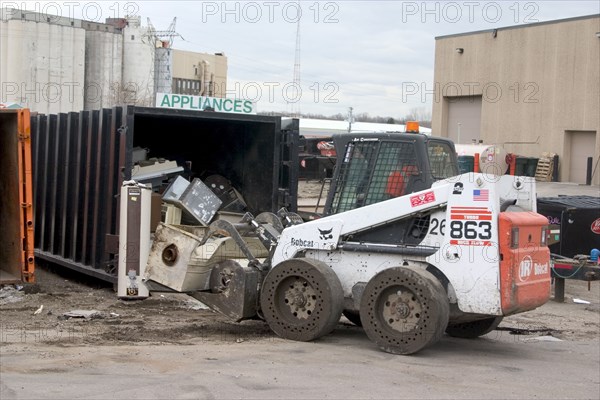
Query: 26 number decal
[
  {"x": 471, "y": 230},
  {"x": 438, "y": 227}
]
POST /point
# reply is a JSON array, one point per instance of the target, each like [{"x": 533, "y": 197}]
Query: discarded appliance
[
  {"x": 134, "y": 239},
  {"x": 155, "y": 171},
  {"x": 232, "y": 199},
  {"x": 195, "y": 198}
]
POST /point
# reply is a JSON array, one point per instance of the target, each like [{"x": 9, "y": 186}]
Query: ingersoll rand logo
[
  {"x": 527, "y": 267},
  {"x": 595, "y": 227}
]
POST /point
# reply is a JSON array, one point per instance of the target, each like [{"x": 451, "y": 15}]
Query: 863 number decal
[{"x": 481, "y": 230}]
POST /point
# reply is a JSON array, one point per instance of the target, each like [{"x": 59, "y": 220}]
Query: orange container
[{"x": 16, "y": 198}]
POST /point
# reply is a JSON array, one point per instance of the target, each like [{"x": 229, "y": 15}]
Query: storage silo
[{"x": 138, "y": 64}]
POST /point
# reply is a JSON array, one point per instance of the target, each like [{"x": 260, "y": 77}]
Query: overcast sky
[{"x": 352, "y": 53}]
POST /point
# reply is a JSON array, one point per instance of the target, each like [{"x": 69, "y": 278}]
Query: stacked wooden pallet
[{"x": 545, "y": 167}]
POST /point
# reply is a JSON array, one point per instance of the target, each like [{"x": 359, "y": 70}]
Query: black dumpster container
[
  {"x": 521, "y": 166},
  {"x": 81, "y": 159},
  {"x": 466, "y": 164},
  {"x": 579, "y": 221},
  {"x": 531, "y": 166}
]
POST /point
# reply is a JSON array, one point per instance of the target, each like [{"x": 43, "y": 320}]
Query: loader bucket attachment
[{"x": 234, "y": 291}]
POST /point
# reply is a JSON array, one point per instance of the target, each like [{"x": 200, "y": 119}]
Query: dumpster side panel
[
  {"x": 289, "y": 164},
  {"x": 10, "y": 231},
  {"x": 26, "y": 198},
  {"x": 16, "y": 201},
  {"x": 78, "y": 163}
]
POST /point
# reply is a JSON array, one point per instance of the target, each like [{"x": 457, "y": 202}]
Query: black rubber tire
[
  {"x": 353, "y": 316},
  {"x": 473, "y": 329},
  {"x": 297, "y": 314},
  {"x": 404, "y": 310}
]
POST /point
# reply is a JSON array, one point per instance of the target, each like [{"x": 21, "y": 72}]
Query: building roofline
[{"x": 504, "y": 28}]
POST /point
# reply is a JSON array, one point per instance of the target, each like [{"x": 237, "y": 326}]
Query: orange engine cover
[{"x": 524, "y": 262}]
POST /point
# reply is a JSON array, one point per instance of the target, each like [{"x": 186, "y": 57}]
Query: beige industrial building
[
  {"x": 532, "y": 88},
  {"x": 53, "y": 64},
  {"x": 200, "y": 74}
]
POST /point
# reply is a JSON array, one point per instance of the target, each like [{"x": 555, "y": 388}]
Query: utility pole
[
  {"x": 350, "y": 119},
  {"x": 296, "y": 104}
]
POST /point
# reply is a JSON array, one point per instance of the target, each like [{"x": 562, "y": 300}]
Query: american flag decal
[{"x": 481, "y": 195}]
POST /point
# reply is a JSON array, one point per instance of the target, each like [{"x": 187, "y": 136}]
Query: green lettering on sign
[
  {"x": 165, "y": 101},
  {"x": 187, "y": 102}
]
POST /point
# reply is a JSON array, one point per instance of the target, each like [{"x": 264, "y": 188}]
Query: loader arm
[{"x": 325, "y": 233}]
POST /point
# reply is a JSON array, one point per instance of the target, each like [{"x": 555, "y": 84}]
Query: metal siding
[
  {"x": 79, "y": 169},
  {"x": 50, "y": 200}
]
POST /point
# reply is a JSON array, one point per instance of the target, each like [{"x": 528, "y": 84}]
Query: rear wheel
[
  {"x": 301, "y": 299},
  {"x": 471, "y": 330},
  {"x": 404, "y": 310}
]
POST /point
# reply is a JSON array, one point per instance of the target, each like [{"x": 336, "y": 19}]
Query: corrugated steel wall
[{"x": 78, "y": 159}]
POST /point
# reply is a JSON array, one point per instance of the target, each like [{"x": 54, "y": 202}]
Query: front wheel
[
  {"x": 404, "y": 310},
  {"x": 301, "y": 299}
]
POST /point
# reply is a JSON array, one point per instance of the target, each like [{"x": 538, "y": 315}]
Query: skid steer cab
[{"x": 454, "y": 256}]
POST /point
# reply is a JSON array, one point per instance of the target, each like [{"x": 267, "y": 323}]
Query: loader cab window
[
  {"x": 441, "y": 159},
  {"x": 373, "y": 171}
]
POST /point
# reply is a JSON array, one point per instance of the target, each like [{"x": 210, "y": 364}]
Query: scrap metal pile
[{"x": 207, "y": 239}]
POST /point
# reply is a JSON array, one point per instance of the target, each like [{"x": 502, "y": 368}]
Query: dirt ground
[
  {"x": 163, "y": 318},
  {"x": 169, "y": 318}
]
